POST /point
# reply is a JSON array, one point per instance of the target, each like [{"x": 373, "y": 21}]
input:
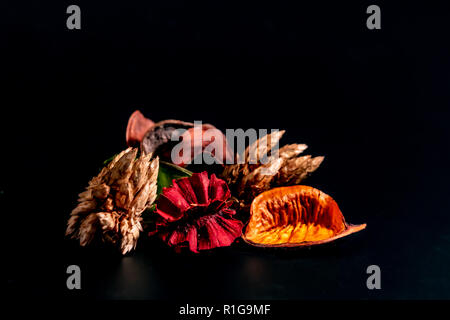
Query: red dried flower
[{"x": 194, "y": 213}]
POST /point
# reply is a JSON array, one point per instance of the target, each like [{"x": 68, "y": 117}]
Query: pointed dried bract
[
  {"x": 114, "y": 200},
  {"x": 265, "y": 167}
]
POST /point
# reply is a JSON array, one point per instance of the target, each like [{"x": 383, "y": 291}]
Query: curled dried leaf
[
  {"x": 137, "y": 126},
  {"x": 295, "y": 216}
]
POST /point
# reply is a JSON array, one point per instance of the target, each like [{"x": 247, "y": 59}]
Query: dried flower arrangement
[{"x": 197, "y": 211}]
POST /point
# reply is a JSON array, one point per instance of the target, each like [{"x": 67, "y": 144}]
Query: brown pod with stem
[{"x": 164, "y": 136}]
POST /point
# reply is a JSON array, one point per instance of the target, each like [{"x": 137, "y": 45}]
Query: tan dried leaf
[
  {"x": 114, "y": 200},
  {"x": 282, "y": 167}
]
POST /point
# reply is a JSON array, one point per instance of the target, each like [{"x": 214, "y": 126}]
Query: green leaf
[
  {"x": 168, "y": 172},
  {"x": 109, "y": 160}
]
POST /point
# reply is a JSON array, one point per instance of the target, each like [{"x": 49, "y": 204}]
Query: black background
[{"x": 375, "y": 103}]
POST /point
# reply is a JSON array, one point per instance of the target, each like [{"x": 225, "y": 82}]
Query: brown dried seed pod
[
  {"x": 295, "y": 216},
  {"x": 158, "y": 140}
]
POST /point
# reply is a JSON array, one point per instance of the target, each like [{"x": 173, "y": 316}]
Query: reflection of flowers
[{"x": 194, "y": 213}]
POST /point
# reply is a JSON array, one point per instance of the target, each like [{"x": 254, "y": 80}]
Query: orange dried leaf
[
  {"x": 137, "y": 126},
  {"x": 295, "y": 216}
]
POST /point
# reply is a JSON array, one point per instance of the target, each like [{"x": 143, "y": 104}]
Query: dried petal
[
  {"x": 292, "y": 150},
  {"x": 296, "y": 170},
  {"x": 122, "y": 169},
  {"x": 87, "y": 229},
  {"x": 137, "y": 126},
  {"x": 100, "y": 191}
]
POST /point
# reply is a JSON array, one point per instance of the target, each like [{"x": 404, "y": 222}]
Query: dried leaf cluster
[
  {"x": 112, "y": 204},
  {"x": 248, "y": 180}
]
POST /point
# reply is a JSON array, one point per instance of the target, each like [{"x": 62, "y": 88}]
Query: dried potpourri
[
  {"x": 247, "y": 180},
  {"x": 194, "y": 213},
  {"x": 114, "y": 200},
  {"x": 295, "y": 216}
]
